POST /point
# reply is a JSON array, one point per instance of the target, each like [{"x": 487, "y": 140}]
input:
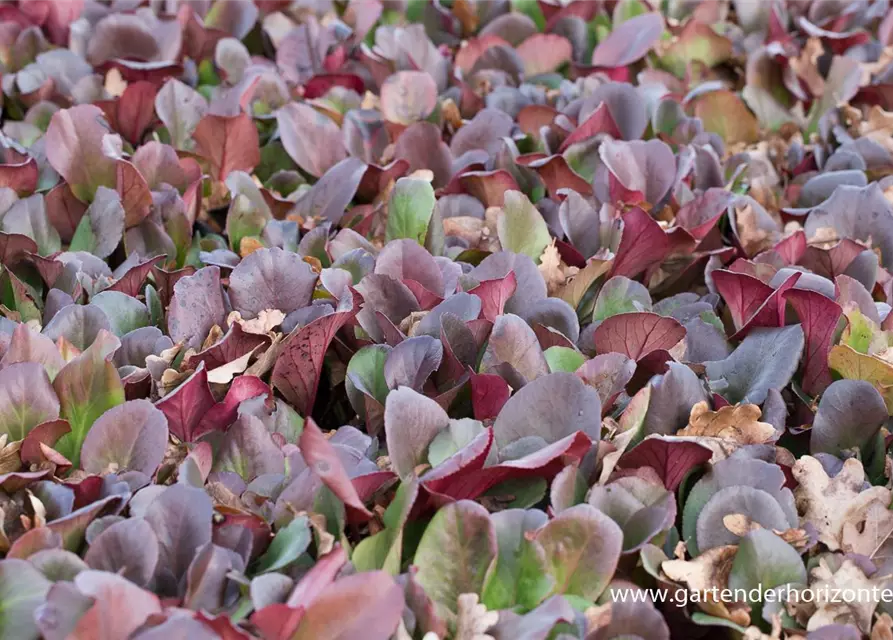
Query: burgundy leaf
[
  {"x": 228, "y": 143},
  {"x": 637, "y": 334},
  {"x": 494, "y": 294},
  {"x": 297, "y": 370},
  {"x": 488, "y": 393},
  {"x": 643, "y": 243},
  {"x": 672, "y": 460},
  {"x": 599, "y": 121},
  {"x": 224, "y": 413},
  {"x": 187, "y": 405},
  {"x": 819, "y": 316}
]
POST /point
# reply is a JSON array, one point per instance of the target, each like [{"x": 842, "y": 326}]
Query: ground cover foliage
[{"x": 330, "y": 320}]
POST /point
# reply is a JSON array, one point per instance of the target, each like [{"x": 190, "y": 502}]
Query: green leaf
[
  {"x": 287, "y": 546},
  {"x": 765, "y": 561},
  {"x": 520, "y": 576},
  {"x": 583, "y": 547},
  {"x": 620, "y": 295},
  {"x": 531, "y": 9},
  {"x": 521, "y": 228},
  {"x": 564, "y": 359},
  {"x": 452, "y": 439},
  {"x": 84, "y": 239},
  {"x": 87, "y": 387},
  {"x": 627, "y": 9},
  {"x": 22, "y": 589},
  {"x": 409, "y": 210},
  {"x": 124, "y": 312},
  {"x": 384, "y": 550},
  {"x": 365, "y": 371},
  {"x": 455, "y": 555}
]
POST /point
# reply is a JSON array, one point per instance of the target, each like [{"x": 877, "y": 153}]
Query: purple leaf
[{"x": 131, "y": 436}]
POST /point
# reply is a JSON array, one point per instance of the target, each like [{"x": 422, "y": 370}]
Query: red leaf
[
  {"x": 136, "y": 111},
  {"x": 488, "y": 186},
  {"x": 135, "y": 195},
  {"x": 743, "y": 294},
  {"x": 494, "y": 294},
  {"x": 792, "y": 248},
  {"x": 165, "y": 281},
  {"x": 637, "y": 334},
  {"x": 187, "y": 405},
  {"x": 772, "y": 312},
  {"x": 320, "y": 576},
  {"x": 556, "y": 173},
  {"x": 671, "y": 459},
  {"x": 13, "y": 247},
  {"x": 20, "y": 177},
  {"x": 831, "y": 262},
  {"x": 229, "y": 143},
  {"x": 320, "y": 84},
  {"x": 599, "y": 121},
  {"x": 232, "y": 346},
  {"x": 819, "y": 316},
  {"x": 64, "y": 210},
  {"x": 46, "y": 433},
  {"x": 473, "y": 482},
  {"x": 427, "y": 300},
  {"x": 132, "y": 281},
  {"x": 35, "y": 540},
  {"x": 643, "y": 243},
  {"x": 223, "y": 414},
  {"x": 322, "y": 458},
  {"x": 297, "y": 370},
  {"x": 277, "y": 621},
  {"x": 488, "y": 393}
]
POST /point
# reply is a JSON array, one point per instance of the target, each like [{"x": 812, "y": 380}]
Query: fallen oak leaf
[
  {"x": 707, "y": 572},
  {"x": 737, "y": 422},
  {"x": 829, "y": 503},
  {"x": 869, "y": 535}
]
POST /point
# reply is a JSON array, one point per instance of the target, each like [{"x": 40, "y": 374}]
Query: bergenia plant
[{"x": 460, "y": 319}]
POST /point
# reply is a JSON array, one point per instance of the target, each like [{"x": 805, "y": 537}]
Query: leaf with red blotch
[
  {"x": 224, "y": 413},
  {"x": 21, "y": 177},
  {"x": 120, "y": 607},
  {"x": 643, "y": 243},
  {"x": 637, "y": 334},
  {"x": 599, "y": 121},
  {"x": 132, "y": 281},
  {"x": 474, "y": 48},
  {"x": 228, "y": 143},
  {"x": 792, "y": 248},
  {"x": 544, "y": 53},
  {"x": 629, "y": 41},
  {"x": 488, "y": 186},
  {"x": 297, "y": 370},
  {"x": 136, "y": 111},
  {"x": 473, "y": 481},
  {"x": 322, "y": 458},
  {"x": 672, "y": 460},
  {"x": 187, "y": 405},
  {"x": 556, "y": 173},
  {"x": 453, "y": 474},
  {"x": 134, "y": 193},
  {"x": 488, "y": 393},
  {"x": 33, "y": 541},
  {"x": 14, "y": 246},
  {"x": 494, "y": 294},
  {"x": 819, "y": 316}
]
